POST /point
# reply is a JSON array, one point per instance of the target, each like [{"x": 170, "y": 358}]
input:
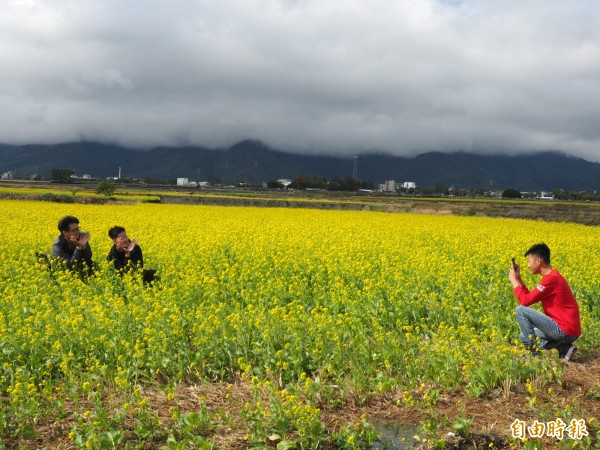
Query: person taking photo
[{"x": 559, "y": 326}]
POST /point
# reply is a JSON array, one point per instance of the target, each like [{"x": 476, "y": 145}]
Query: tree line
[
  {"x": 351, "y": 184},
  {"x": 336, "y": 184}
]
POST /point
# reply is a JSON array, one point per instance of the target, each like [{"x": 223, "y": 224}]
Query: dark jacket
[
  {"x": 121, "y": 261},
  {"x": 72, "y": 256}
]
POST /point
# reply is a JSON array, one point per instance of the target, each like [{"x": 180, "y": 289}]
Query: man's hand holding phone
[
  {"x": 82, "y": 241},
  {"x": 131, "y": 245},
  {"x": 514, "y": 265},
  {"x": 514, "y": 273}
]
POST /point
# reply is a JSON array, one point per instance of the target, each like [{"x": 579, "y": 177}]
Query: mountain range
[{"x": 254, "y": 162}]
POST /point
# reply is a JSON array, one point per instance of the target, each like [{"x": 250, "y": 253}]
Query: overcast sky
[{"x": 314, "y": 76}]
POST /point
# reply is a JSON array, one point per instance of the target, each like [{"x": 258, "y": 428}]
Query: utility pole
[{"x": 355, "y": 170}]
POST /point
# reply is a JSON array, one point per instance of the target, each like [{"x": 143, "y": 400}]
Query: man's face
[
  {"x": 72, "y": 233},
  {"x": 534, "y": 263},
  {"x": 121, "y": 240}
]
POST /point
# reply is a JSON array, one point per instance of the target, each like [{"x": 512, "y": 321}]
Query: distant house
[
  {"x": 409, "y": 185},
  {"x": 8, "y": 175},
  {"x": 285, "y": 182},
  {"x": 388, "y": 186},
  {"x": 186, "y": 182},
  {"x": 545, "y": 196}
]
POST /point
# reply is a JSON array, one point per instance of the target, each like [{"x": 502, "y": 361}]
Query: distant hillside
[{"x": 253, "y": 162}]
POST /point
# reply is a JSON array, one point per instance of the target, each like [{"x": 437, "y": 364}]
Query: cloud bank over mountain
[{"x": 311, "y": 76}]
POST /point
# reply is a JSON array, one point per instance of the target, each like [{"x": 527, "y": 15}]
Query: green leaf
[
  {"x": 274, "y": 437},
  {"x": 285, "y": 445}
]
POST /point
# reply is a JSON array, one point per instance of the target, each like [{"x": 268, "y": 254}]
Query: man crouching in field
[
  {"x": 72, "y": 245},
  {"x": 560, "y": 326},
  {"x": 126, "y": 254}
]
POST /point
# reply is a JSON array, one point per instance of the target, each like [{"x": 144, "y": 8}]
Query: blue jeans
[{"x": 535, "y": 324}]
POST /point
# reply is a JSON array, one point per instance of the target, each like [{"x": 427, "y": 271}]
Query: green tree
[
  {"x": 440, "y": 189},
  {"x": 300, "y": 182},
  {"x": 106, "y": 188},
  {"x": 303, "y": 182},
  {"x": 320, "y": 183},
  {"x": 274, "y": 184},
  {"x": 348, "y": 184},
  {"x": 62, "y": 175},
  {"x": 511, "y": 193}
]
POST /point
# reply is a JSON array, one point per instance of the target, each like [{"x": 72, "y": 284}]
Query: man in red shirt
[{"x": 560, "y": 324}]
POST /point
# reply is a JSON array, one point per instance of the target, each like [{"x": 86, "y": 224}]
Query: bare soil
[{"x": 492, "y": 415}]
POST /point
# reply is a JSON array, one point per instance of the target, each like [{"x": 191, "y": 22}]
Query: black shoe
[
  {"x": 533, "y": 350},
  {"x": 566, "y": 351}
]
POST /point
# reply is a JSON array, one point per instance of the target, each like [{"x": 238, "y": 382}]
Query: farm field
[
  {"x": 583, "y": 212},
  {"x": 284, "y": 328}
]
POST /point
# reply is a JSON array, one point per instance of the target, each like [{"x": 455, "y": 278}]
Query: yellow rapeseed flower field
[{"x": 309, "y": 304}]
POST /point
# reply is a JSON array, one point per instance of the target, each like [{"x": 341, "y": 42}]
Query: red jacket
[{"x": 557, "y": 300}]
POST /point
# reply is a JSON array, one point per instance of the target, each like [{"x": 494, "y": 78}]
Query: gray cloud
[{"x": 304, "y": 75}]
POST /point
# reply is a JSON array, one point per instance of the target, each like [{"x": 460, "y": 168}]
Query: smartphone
[{"x": 514, "y": 264}]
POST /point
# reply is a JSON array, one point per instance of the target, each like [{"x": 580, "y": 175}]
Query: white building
[
  {"x": 285, "y": 182},
  {"x": 409, "y": 185},
  {"x": 182, "y": 181},
  {"x": 546, "y": 196},
  {"x": 388, "y": 186}
]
